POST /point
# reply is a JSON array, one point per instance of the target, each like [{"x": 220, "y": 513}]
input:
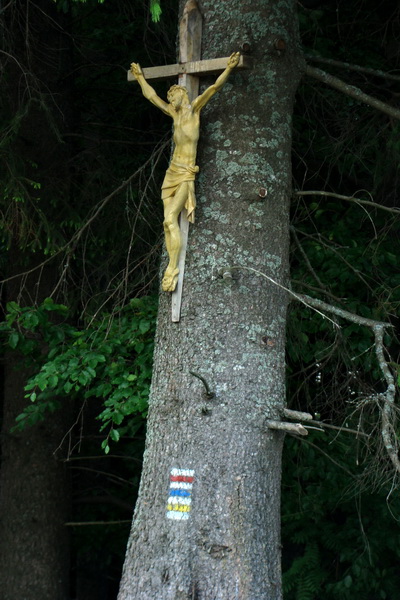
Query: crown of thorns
[{"x": 173, "y": 88}]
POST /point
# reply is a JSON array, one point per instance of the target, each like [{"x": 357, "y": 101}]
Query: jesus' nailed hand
[{"x": 177, "y": 190}]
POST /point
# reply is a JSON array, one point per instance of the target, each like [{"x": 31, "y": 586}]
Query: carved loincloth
[{"x": 175, "y": 175}]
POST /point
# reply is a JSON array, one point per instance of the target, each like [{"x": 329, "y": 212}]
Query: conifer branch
[
  {"x": 352, "y": 91},
  {"x": 350, "y": 67}
]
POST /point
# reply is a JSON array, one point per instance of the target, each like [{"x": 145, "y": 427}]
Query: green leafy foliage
[
  {"x": 110, "y": 359},
  {"x": 339, "y": 538},
  {"x": 26, "y": 329}
]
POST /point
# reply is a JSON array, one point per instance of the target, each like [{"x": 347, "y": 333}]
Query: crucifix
[{"x": 184, "y": 106}]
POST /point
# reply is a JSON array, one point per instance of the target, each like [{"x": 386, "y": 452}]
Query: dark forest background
[{"x": 82, "y": 159}]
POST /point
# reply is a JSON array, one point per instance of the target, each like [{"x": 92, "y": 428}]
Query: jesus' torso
[{"x": 186, "y": 136}]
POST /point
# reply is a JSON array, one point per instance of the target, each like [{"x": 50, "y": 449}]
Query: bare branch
[
  {"x": 387, "y": 411},
  {"x": 297, "y": 415},
  {"x": 307, "y": 417},
  {"x": 331, "y": 248},
  {"x": 102, "y": 457},
  {"x": 5, "y": 7},
  {"x": 378, "y": 327},
  {"x": 306, "y": 259},
  {"x": 352, "y": 91},
  {"x": 337, "y": 428},
  {"x": 111, "y": 476},
  {"x": 351, "y": 67},
  {"x": 340, "y": 312},
  {"x": 282, "y": 287},
  {"x": 294, "y": 428},
  {"x": 70, "y": 246},
  {"x": 316, "y": 289},
  {"x": 346, "y": 198}
]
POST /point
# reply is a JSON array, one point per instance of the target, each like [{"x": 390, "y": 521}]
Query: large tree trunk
[{"x": 232, "y": 333}]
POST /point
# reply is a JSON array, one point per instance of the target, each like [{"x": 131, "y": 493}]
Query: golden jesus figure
[{"x": 177, "y": 190}]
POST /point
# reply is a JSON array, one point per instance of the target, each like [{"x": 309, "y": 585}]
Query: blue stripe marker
[{"x": 183, "y": 493}]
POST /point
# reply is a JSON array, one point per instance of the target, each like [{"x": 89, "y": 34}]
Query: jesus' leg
[{"x": 172, "y": 209}]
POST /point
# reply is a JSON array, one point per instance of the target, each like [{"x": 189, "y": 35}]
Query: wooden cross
[{"x": 188, "y": 70}]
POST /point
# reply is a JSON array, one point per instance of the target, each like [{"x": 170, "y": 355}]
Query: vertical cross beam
[
  {"x": 190, "y": 30},
  {"x": 189, "y": 70}
]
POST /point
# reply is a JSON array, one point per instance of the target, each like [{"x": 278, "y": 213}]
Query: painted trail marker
[{"x": 180, "y": 494}]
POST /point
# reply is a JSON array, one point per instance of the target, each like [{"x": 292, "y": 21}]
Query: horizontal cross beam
[{"x": 198, "y": 68}]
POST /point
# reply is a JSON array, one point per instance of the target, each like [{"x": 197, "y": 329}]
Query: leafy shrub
[{"x": 109, "y": 359}]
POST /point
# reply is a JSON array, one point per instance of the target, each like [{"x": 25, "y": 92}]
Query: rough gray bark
[{"x": 232, "y": 333}]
